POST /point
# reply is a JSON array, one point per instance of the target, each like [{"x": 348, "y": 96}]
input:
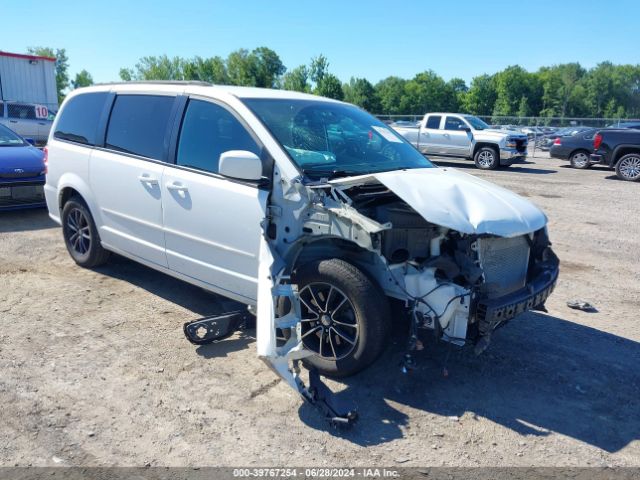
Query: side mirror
[
  {"x": 240, "y": 164},
  {"x": 30, "y": 141},
  {"x": 464, "y": 128}
]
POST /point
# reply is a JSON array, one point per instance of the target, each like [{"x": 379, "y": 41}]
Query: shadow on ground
[
  {"x": 25, "y": 220},
  {"x": 541, "y": 374}
]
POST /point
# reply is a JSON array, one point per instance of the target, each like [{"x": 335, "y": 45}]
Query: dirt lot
[{"x": 95, "y": 370}]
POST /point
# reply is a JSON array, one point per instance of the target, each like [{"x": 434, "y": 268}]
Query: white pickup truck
[{"x": 466, "y": 136}]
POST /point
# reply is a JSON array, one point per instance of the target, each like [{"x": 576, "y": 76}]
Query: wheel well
[
  {"x": 332, "y": 247},
  {"x": 621, "y": 152},
  {"x": 479, "y": 145},
  {"x": 65, "y": 195},
  {"x": 579, "y": 150}
]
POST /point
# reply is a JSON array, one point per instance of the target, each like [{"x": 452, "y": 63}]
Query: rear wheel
[
  {"x": 580, "y": 160},
  {"x": 345, "y": 316},
  {"x": 487, "y": 158},
  {"x": 628, "y": 167},
  {"x": 80, "y": 234}
]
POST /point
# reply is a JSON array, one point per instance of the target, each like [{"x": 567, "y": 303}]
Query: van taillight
[
  {"x": 45, "y": 159},
  {"x": 597, "y": 141},
  {"x": 557, "y": 141}
]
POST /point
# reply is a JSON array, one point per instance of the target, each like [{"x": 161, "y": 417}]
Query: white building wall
[{"x": 28, "y": 81}]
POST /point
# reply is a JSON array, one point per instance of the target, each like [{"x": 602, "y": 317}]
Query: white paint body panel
[{"x": 459, "y": 201}]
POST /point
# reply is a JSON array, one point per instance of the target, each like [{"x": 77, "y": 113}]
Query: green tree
[
  {"x": 319, "y": 68},
  {"x": 428, "y": 92},
  {"x": 329, "y": 86},
  {"x": 297, "y": 79},
  {"x": 62, "y": 67},
  {"x": 481, "y": 97},
  {"x": 359, "y": 91},
  {"x": 389, "y": 92},
  {"x": 261, "y": 67},
  {"x": 155, "y": 68},
  {"x": 512, "y": 84},
  {"x": 558, "y": 85},
  {"x": 212, "y": 70},
  {"x": 82, "y": 79}
]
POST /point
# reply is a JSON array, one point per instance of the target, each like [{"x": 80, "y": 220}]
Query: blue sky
[{"x": 372, "y": 39}]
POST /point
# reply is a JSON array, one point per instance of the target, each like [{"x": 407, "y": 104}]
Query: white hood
[{"x": 459, "y": 201}]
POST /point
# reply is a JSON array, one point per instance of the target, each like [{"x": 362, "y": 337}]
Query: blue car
[{"x": 22, "y": 170}]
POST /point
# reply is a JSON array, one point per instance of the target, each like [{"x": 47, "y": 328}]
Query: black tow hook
[{"x": 210, "y": 329}]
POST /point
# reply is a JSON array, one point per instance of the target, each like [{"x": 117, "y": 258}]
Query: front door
[
  {"x": 212, "y": 223},
  {"x": 456, "y": 141}
]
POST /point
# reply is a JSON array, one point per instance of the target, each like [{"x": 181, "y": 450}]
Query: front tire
[
  {"x": 580, "y": 160},
  {"x": 628, "y": 167},
  {"x": 81, "y": 235},
  {"x": 487, "y": 158},
  {"x": 345, "y": 316}
]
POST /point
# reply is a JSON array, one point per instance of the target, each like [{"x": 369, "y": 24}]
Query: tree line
[{"x": 565, "y": 90}]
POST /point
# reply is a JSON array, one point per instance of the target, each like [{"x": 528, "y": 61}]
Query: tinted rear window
[
  {"x": 434, "y": 122},
  {"x": 79, "y": 119},
  {"x": 138, "y": 125},
  {"x": 21, "y": 111}
]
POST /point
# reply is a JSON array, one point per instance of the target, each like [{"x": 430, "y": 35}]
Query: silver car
[{"x": 28, "y": 120}]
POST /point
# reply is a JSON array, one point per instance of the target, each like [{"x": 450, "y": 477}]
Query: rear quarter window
[
  {"x": 79, "y": 119},
  {"x": 138, "y": 125}
]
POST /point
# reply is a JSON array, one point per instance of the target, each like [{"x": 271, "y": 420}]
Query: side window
[
  {"x": 453, "y": 123},
  {"x": 21, "y": 111},
  {"x": 433, "y": 122},
  {"x": 209, "y": 130},
  {"x": 138, "y": 125},
  {"x": 1, "y": 109},
  {"x": 79, "y": 119}
]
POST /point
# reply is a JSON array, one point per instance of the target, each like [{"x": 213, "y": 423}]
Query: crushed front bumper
[{"x": 491, "y": 313}]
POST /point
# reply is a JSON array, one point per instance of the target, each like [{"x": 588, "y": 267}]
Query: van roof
[{"x": 202, "y": 88}]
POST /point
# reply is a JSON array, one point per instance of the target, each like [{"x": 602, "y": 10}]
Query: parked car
[
  {"x": 634, "y": 125},
  {"x": 544, "y": 143},
  {"x": 27, "y": 120},
  {"x": 575, "y": 148},
  {"x": 22, "y": 170},
  {"x": 466, "y": 136},
  {"x": 309, "y": 209},
  {"x": 619, "y": 149}
]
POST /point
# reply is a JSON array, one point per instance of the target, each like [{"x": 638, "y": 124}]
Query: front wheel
[
  {"x": 81, "y": 235},
  {"x": 345, "y": 316},
  {"x": 628, "y": 167},
  {"x": 580, "y": 160},
  {"x": 487, "y": 158}
]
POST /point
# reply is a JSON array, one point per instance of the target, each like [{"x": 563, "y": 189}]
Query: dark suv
[{"x": 620, "y": 149}]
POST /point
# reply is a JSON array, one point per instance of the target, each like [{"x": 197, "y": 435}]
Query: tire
[
  {"x": 354, "y": 299},
  {"x": 580, "y": 160},
  {"x": 628, "y": 167},
  {"x": 85, "y": 249},
  {"x": 487, "y": 158}
]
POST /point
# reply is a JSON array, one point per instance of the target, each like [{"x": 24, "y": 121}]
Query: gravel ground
[{"x": 95, "y": 370}]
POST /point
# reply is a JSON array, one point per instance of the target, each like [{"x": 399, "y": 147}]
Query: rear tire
[
  {"x": 81, "y": 235},
  {"x": 345, "y": 316},
  {"x": 628, "y": 167},
  {"x": 580, "y": 160},
  {"x": 487, "y": 158}
]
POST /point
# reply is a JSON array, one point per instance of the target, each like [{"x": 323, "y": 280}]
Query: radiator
[{"x": 504, "y": 261}]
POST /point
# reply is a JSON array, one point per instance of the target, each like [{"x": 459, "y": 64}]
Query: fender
[
  {"x": 73, "y": 180},
  {"x": 614, "y": 154}
]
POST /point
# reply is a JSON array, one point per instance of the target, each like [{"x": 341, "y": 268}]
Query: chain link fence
[{"x": 29, "y": 120}]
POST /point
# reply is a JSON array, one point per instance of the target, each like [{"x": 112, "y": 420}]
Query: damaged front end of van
[{"x": 463, "y": 256}]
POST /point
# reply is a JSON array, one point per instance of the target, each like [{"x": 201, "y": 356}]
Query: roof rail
[{"x": 159, "y": 82}]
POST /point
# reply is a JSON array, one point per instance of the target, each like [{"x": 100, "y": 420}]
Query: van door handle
[
  {"x": 13, "y": 121},
  {"x": 174, "y": 186},
  {"x": 146, "y": 178}
]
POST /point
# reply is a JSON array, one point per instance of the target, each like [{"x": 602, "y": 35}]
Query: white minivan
[{"x": 308, "y": 209}]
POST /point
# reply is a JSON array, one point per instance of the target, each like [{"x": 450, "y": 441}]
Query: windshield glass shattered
[{"x": 328, "y": 140}]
